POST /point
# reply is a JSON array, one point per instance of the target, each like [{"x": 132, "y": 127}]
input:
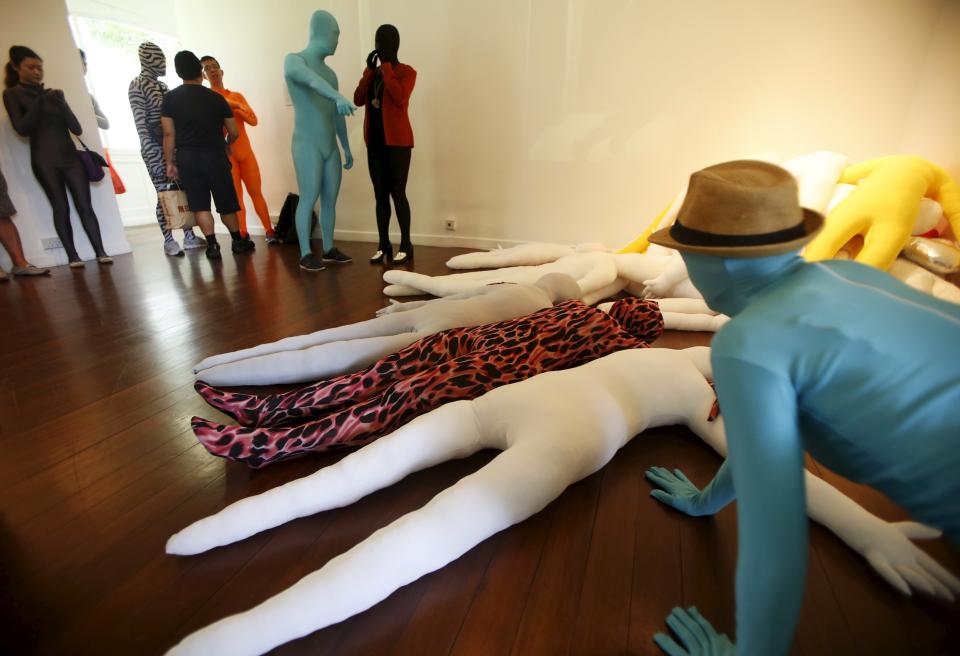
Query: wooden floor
[{"x": 100, "y": 467}]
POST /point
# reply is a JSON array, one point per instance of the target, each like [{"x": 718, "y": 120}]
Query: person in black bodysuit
[
  {"x": 43, "y": 116},
  {"x": 384, "y": 91}
]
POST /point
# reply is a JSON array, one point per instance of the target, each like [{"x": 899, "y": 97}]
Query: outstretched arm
[
  {"x": 447, "y": 433},
  {"x": 886, "y": 546},
  {"x": 515, "y": 485},
  {"x": 377, "y": 327},
  {"x": 295, "y": 69}
]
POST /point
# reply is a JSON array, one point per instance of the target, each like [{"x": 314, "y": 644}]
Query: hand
[
  {"x": 678, "y": 491},
  {"x": 172, "y": 172},
  {"x": 883, "y": 208},
  {"x": 658, "y": 287},
  {"x": 349, "y": 163},
  {"x": 344, "y": 106},
  {"x": 698, "y": 636},
  {"x": 888, "y": 549},
  {"x": 372, "y": 60}
]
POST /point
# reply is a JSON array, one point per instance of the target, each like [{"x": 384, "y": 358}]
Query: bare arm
[
  {"x": 230, "y": 125},
  {"x": 169, "y": 137}
]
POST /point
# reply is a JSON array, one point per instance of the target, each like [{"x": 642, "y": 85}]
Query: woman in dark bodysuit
[
  {"x": 43, "y": 116},
  {"x": 384, "y": 91}
]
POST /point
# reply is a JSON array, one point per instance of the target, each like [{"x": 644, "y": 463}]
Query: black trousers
[
  {"x": 55, "y": 180},
  {"x": 389, "y": 167}
]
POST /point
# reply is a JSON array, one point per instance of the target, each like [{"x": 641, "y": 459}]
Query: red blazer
[{"x": 397, "y": 86}]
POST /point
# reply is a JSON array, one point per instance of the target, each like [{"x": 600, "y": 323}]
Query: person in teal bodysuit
[
  {"x": 319, "y": 111},
  {"x": 835, "y": 358}
]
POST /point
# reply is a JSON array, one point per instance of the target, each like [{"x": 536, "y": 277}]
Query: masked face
[
  {"x": 152, "y": 60},
  {"x": 712, "y": 277}
]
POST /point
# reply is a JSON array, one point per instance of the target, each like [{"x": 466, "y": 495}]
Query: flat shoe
[
  {"x": 30, "y": 270},
  {"x": 105, "y": 259},
  {"x": 77, "y": 264}
]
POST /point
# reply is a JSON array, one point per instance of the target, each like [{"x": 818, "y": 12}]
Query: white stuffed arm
[
  {"x": 513, "y": 486},
  {"x": 885, "y": 545},
  {"x": 447, "y": 433},
  {"x": 397, "y": 306},
  {"x": 523, "y": 254},
  {"x": 370, "y": 328},
  {"x": 672, "y": 275},
  {"x": 309, "y": 364}
]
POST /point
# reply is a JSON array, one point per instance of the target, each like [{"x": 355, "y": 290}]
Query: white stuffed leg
[
  {"x": 306, "y": 365},
  {"x": 377, "y": 327},
  {"x": 447, "y": 433},
  {"x": 592, "y": 270},
  {"x": 515, "y": 485},
  {"x": 522, "y": 254}
]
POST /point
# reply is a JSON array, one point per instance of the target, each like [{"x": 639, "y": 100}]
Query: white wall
[
  {"x": 42, "y": 25},
  {"x": 569, "y": 120},
  {"x": 932, "y": 127}
]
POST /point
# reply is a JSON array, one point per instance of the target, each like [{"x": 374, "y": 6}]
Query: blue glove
[
  {"x": 698, "y": 636},
  {"x": 678, "y": 491}
]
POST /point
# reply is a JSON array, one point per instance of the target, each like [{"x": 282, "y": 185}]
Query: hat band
[{"x": 694, "y": 237}]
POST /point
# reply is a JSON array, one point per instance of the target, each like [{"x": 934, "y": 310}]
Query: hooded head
[
  {"x": 153, "y": 63},
  {"x": 387, "y": 43},
  {"x": 729, "y": 284},
  {"x": 324, "y": 32}
]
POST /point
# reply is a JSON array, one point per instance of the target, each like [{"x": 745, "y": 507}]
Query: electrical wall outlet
[
  {"x": 51, "y": 243},
  {"x": 450, "y": 224}
]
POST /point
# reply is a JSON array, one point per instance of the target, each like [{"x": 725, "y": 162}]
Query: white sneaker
[
  {"x": 190, "y": 240},
  {"x": 172, "y": 248}
]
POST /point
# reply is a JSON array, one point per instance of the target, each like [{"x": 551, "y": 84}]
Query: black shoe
[
  {"x": 380, "y": 256},
  {"x": 403, "y": 256},
  {"x": 336, "y": 256},
  {"x": 243, "y": 246},
  {"x": 311, "y": 262},
  {"x": 213, "y": 251}
]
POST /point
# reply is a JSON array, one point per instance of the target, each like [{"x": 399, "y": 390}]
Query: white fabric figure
[
  {"x": 553, "y": 430},
  {"x": 344, "y": 349},
  {"x": 659, "y": 272}
]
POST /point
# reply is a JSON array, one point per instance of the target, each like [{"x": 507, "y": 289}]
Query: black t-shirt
[{"x": 197, "y": 114}]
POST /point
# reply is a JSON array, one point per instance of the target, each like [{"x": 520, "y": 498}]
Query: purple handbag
[{"x": 92, "y": 161}]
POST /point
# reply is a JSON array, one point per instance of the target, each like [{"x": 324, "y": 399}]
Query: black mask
[{"x": 387, "y": 41}]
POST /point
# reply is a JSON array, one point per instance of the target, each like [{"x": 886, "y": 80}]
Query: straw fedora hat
[{"x": 743, "y": 208}]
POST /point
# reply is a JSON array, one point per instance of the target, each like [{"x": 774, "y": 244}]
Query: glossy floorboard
[{"x": 100, "y": 467}]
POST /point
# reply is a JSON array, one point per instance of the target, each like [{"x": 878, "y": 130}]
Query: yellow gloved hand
[{"x": 883, "y": 208}]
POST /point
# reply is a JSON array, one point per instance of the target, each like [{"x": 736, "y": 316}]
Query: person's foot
[
  {"x": 213, "y": 251},
  {"x": 243, "y": 246},
  {"x": 336, "y": 256},
  {"x": 29, "y": 270},
  {"x": 3, "y": 276},
  {"x": 172, "y": 248},
  {"x": 380, "y": 256},
  {"x": 311, "y": 262},
  {"x": 191, "y": 241},
  {"x": 76, "y": 264},
  {"x": 105, "y": 259},
  {"x": 403, "y": 256},
  {"x": 272, "y": 238}
]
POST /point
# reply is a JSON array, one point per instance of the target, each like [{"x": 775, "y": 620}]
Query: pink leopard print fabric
[{"x": 462, "y": 363}]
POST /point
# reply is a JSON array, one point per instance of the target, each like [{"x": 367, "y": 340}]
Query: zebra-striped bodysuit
[{"x": 146, "y": 98}]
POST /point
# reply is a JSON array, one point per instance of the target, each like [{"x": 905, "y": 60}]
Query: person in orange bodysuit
[{"x": 243, "y": 163}]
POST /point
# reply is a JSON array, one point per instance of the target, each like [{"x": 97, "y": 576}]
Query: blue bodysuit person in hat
[{"x": 833, "y": 358}]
